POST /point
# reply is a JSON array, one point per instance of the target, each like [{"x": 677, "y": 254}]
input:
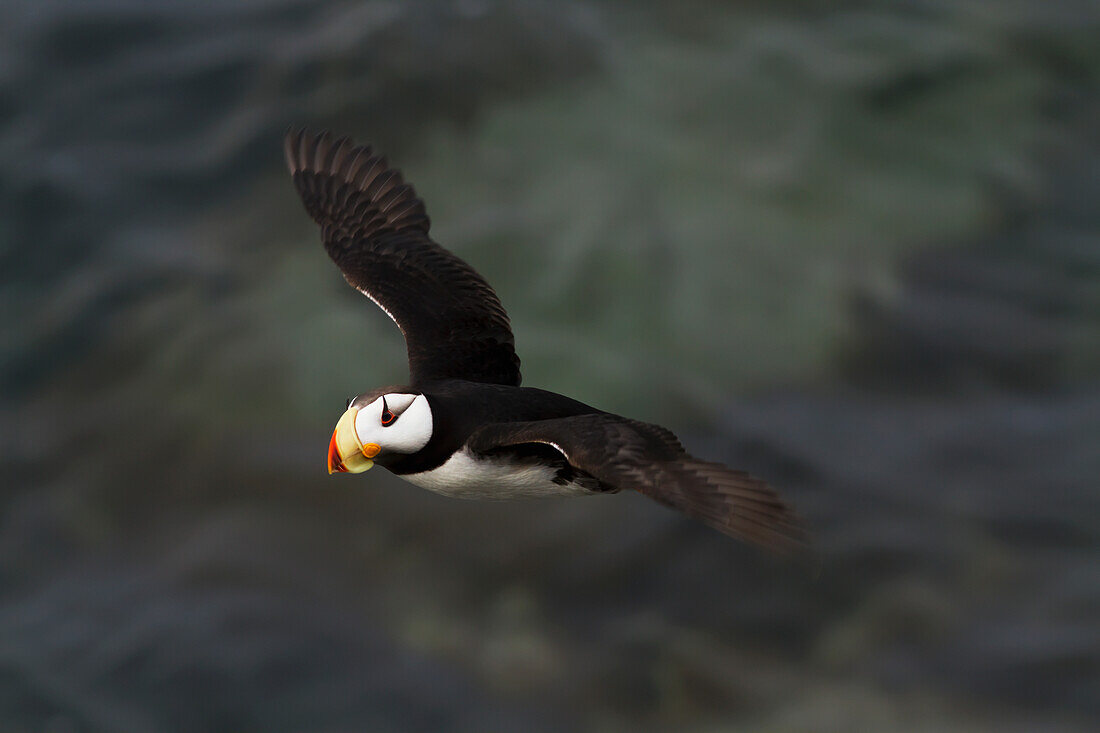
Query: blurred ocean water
[{"x": 851, "y": 247}]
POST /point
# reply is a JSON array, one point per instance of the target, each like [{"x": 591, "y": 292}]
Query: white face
[{"x": 399, "y": 423}]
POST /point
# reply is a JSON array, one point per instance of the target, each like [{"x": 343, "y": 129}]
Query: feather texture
[
  {"x": 627, "y": 454},
  {"x": 376, "y": 231}
]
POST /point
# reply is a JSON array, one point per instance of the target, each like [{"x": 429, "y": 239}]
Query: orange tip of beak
[{"x": 335, "y": 460}]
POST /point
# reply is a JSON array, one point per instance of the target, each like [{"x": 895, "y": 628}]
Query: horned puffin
[{"x": 463, "y": 426}]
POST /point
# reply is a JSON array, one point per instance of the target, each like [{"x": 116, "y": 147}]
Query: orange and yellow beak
[{"x": 346, "y": 454}]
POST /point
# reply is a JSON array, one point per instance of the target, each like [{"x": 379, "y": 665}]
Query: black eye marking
[
  {"x": 348, "y": 403},
  {"x": 387, "y": 416}
]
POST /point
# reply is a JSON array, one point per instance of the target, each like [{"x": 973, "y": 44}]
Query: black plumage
[
  {"x": 376, "y": 230},
  {"x": 462, "y": 359},
  {"x": 622, "y": 453}
]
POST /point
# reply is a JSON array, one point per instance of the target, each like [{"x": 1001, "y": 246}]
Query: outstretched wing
[
  {"x": 376, "y": 230},
  {"x": 627, "y": 454}
]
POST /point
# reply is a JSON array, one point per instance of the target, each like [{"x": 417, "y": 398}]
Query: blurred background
[{"x": 852, "y": 247}]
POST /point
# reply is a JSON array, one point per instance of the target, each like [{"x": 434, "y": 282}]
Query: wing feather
[
  {"x": 376, "y": 231},
  {"x": 627, "y": 454}
]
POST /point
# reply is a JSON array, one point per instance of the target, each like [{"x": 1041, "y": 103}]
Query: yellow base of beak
[{"x": 345, "y": 453}]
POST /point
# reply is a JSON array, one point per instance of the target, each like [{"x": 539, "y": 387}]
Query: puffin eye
[{"x": 387, "y": 416}]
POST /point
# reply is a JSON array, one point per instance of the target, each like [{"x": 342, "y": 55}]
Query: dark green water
[{"x": 852, "y": 247}]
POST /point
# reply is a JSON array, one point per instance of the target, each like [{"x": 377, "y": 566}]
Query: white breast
[{"x": 465, "y": 476}]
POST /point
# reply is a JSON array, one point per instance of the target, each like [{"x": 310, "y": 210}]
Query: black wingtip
[
  {"x": 745, "y": 507},
  {"x": 324, "y": 168}
]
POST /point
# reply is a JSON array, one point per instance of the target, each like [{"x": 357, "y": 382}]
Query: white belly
[{"x": 466, "y": 477}]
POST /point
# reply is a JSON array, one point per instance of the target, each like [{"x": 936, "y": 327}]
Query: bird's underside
[{"x": 485, "y": 436}]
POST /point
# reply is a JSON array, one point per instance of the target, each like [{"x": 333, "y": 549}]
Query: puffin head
[{"x": 393, "y": 421}]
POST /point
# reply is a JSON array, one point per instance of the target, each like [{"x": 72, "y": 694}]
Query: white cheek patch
[
  {"x": 398, "y": 403},
  {"x": 410, "y": 432},
  {"x": 368, "y": 423}
]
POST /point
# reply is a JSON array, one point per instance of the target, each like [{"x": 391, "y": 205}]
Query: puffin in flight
[{"x": 464, "y": 427}]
